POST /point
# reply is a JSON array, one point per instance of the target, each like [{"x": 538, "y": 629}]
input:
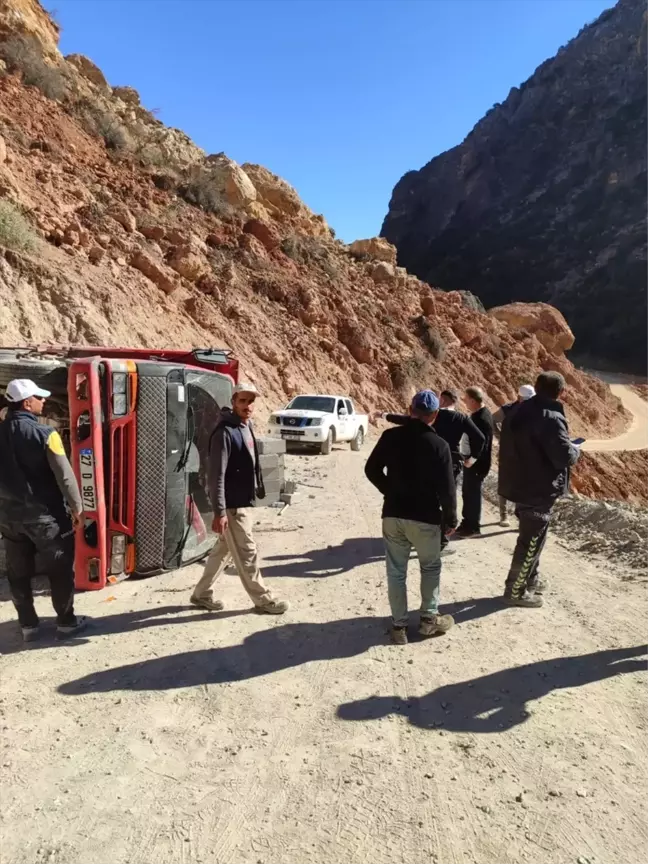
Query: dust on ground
[{"x": 170, "y": 734}]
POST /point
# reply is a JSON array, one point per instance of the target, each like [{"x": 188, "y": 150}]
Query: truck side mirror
[{"x": 343, "y": 412}]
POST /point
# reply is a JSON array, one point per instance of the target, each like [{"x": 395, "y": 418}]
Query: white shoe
[{"x": 504, "y": 523}]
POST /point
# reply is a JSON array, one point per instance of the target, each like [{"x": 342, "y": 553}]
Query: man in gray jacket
[{"x": 234, "y": 478}]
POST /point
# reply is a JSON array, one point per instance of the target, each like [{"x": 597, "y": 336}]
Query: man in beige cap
[{"x": 234, "y": 479}]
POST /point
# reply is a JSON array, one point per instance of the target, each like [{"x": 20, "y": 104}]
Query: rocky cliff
[
  {"x": 546, "y": 197},
  {"x": 116, "y": 230}
]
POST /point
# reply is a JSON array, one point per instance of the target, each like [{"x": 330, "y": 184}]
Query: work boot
[
  {"x": 398, "y": 635},
  {"x": 466, "y": 533},
  {"x": 526, "y": 600},
  {"x": 274, "y": 607},
  {"x": 207, "y": 603},
  {"x": 30, "y": 634},
  {"x": 71, "y": 630},
  {"x": 435, "y": 625}
]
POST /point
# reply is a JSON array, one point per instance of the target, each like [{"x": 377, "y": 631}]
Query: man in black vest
[
  {"x": 235, "y": 480},
  {"x": 476, "y": 470},
  {"x": 40, "y": 505}
]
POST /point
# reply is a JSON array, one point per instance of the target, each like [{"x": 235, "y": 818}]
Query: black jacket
[
  {"x": 235, "y": 480},
  {"x": 36, "y": 478},
  {"x": 483, "y": 420},
  {"x": 411, "y": 466},
  {"x": 451, "y": 426},
  {"x": 535, "y": 453}
]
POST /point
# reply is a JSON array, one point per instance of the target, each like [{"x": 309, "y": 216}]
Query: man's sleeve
[
  {"x": 398, "y": 419},
  {"x": 557, "y": 445},
  {"x": 475, "y": 436},
  {"x": 375, "y": 467},
  {"x": 219, "y": 452},
  {"x": 498, "y": 420},
  {"x": 446, "y": 487},
  {"x": 63, "y": 473}
]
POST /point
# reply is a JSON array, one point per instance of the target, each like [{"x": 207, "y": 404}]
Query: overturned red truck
[{"x": 136, "y": 425}]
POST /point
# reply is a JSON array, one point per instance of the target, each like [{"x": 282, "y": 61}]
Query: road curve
[{"x": 636, "y": 435}]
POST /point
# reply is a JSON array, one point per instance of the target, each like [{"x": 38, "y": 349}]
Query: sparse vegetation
[
  {"x": 431, "y": 338},
  {"x": 15, "y": 231},
  {"x": 310, "y": 251},
  {"x": 22, "y": 54},
  {"x": 200, "y": 189},
  {"x": 104, "y": 124}
]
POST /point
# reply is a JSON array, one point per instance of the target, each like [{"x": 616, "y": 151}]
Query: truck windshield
[
  {"x": 313, "y": 403},
  {"x": 207, "y": 393}
]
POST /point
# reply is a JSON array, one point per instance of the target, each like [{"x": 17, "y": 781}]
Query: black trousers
[
  {"x": 456, "y": 472},
  {"x": 471, "y": 491},
  {"x": 534, "y": 527},
  {"x": 52, "y": 539}
]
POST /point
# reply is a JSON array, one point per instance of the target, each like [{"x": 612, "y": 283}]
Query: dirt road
[
  {"x": 636, "y": 435},
  {"x": 171, "y": 735}
]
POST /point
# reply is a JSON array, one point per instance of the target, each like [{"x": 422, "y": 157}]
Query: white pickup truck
[{"x": 319, "y": 421}]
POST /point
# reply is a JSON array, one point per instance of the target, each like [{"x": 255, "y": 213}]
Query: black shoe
[
  {"x": 71, "y": 630},
  {"x": 526, "y": 600},
  {"x": 466, "y": 533}
]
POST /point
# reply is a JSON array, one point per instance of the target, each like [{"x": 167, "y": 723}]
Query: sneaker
[
  {"x": 526, "y": 600},
  {"x": 435, "y": 625},
  {"x": 538, "y": 587},
  {"x": 82, "y": 622},
  {"x": 398, "y": 635},
  {"x": 207, "y": 603},
  {"x": 447, "y": 550},
  {"x": 504, "y": 523},
  {"x": 30, "y": 634},
  {"x": 274, "y": 607}
]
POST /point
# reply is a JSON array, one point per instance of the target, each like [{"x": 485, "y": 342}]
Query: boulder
[
  {"x": 374, "y": 247},
  {"x": 465, "y": 331},
  {"x": 89, "y": 70},
  {"x": 382, "y": 272},
  {"x": 152, "y": 232},
  {"x": 264, "y": 232},
  {"x": 428, "y": 305},
  {"x": 153, "y": 270},
  {"x": 96, "y": 254},
  {"x": 129, "y": 95},
  {"x": 272, "y": 192},
  {"x": 187, "y": 263},
  {"x": 121, "y": 214},
  {"x": 542, "y": 320}
]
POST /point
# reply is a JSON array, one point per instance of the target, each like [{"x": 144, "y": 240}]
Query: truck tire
[
  {"x": 327, "y": 445},
  {"x": 358, "y": 441},
  {"x": 49, "y": 374}
]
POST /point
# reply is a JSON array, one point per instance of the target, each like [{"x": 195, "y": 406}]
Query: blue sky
[{"x": 340, "y": 97}]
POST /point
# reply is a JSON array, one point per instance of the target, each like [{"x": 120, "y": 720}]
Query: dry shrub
[
  {"x": 15, "y": 231},
  {"x": 430, "y": 337},
  {"x": 200, "y": 189},
  {"x": 311, "y": 252},
  {"x": 103, "y": 124},
  {"x": 22, "y": 54}
]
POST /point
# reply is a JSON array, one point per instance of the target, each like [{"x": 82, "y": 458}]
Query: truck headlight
[
  {"x": 117, "y": 554},
  {"x": 119, "y": 404},
  {"x": 316, "y": 421},
  {"x": 119, "y": 382}
]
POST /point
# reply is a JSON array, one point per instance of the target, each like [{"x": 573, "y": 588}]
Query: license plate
[
  {"x": 291, "y": 437},
  {"x": 87, "y": 475}
]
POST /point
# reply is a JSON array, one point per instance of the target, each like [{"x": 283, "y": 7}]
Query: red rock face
[{"x": 542, "y": 320}]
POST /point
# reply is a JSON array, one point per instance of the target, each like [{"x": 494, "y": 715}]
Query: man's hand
[
  {"x": 219, "y": 525},
  {"x": 77, "y": 520},
  {"x": 449, "y": 532},
  {"x": 375, "y": 416},
  {"x": 469, "y": 462}
]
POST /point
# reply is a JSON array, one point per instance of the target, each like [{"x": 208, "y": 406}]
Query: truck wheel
[
  {"x": 358, "y": 441},
  {"x": 327, "y": 445}
]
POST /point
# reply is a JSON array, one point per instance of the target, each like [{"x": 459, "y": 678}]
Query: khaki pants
[{"x": 236, "y": 544}]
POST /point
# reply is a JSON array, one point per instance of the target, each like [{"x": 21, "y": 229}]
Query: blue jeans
[{"x": 400, "y": 535}]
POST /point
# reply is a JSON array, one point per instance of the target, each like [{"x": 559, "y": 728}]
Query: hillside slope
[
  {"x": 128, "y": 234},
  {"x": 546, "y": 197}
]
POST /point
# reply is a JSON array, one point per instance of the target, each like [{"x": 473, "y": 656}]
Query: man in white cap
[
  {"x": 526, "y": 391},
  {"x": 40, "y": 505},
  {"x": 235, "y": 480}
]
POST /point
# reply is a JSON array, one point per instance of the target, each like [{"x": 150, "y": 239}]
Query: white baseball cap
[
  {"x": 526, "y": 391},
  {"x": 23, "y": 388},
  {"x": 245, "y": 388}
]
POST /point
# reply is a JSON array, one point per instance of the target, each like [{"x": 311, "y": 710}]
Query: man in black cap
[{"x": 40, "y": 505}]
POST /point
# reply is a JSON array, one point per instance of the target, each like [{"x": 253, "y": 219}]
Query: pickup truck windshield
[{"x": 313, "y": 403}]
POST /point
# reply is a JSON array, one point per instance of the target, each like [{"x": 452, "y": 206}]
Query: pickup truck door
[{"x": 342, "y": 421}]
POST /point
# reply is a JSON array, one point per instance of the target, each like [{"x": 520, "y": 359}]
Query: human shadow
[
  {"x": 329, "y": 560},
  {"x": 120, "y": 622},
  {"x": 261, "y": 653},
  {"x": 469, "y": 610},
  {"x": 498, "y": 702}
]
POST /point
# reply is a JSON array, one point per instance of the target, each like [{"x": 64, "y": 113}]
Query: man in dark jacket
[
  {"x": 476, "y": 470},
  {"x": 535, "y": 457},
  {"x": 40, "y": 505},
  {"x": 234, "y": 477},
  {"x": 412, "y": 467},
  {"x": 525, "y": 392},
  {"x": 452, "y": 426}
]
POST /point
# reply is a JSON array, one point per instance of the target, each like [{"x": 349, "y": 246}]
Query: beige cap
[{"x": 245, "y": 388}]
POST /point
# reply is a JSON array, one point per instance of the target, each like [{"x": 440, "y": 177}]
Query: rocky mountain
[
  {"x": 117, "y": 230},
  {"x": 545, "y": 200}
]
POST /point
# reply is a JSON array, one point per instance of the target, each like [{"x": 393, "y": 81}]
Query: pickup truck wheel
[
  {"x": 327, "y": 445},
  {"x": 358, "y": 441}
]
